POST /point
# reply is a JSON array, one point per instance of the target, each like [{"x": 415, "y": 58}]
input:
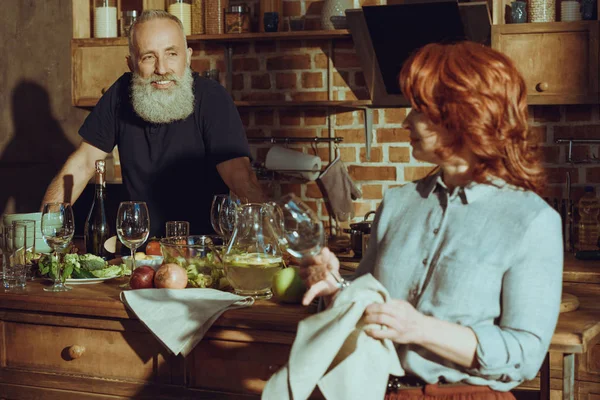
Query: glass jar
[
  {"x": 518, "y": 12},
  {"x": 253, "y": 255},
  {"x": 237, "y": 19},
  {"x": 105, "y": 18},
  {"x": 182, "y": 9},
  {"x": 127, "y": 19}
]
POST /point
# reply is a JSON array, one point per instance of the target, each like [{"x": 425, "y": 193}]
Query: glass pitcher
[{"x": 253, "y": 255}]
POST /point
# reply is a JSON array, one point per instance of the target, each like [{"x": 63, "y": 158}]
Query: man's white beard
[{"x": 162, "y": 106}]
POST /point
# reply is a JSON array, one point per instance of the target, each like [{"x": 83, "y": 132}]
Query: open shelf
[
  {"x": 91, "y": 102},
  {"x": 304, "y": 104},
  {"x": 231, "y": 37}
]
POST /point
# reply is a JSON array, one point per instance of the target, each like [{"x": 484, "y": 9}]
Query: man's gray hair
[{"x": 149, "y": 15}]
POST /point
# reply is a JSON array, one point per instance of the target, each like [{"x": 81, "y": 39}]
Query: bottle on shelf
[
  {"x": 589, "y": 207},
  {"x": 97, "y": 230}
]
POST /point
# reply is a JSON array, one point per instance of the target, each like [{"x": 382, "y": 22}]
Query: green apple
[{"x": 287, "y": 286}]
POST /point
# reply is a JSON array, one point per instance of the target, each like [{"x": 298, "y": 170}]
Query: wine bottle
[{"x": 96, "y": 228}]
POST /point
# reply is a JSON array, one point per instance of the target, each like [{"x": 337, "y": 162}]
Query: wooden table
[{"x": 233, "y": 361}]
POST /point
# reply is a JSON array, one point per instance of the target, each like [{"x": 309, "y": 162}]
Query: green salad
[
  {"x": 82, "y": 266},
  {"x": 202, "y": 272}
]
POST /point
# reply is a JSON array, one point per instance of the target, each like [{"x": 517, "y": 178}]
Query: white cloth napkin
[
  {"x": 179, "y": 318},
  {"x": 333, "y": 351}
]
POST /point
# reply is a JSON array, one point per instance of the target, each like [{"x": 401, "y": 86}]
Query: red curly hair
[{"x": 478, "y": 95}]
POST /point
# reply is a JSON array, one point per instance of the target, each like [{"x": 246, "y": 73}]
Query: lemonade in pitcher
[
  {"x": 251, "y": 274},
  {"x": 252, "y": 255}
]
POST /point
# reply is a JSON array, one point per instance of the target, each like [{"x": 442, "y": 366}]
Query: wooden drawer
[
  {"x": 241, "y": 367},
  {"x": 126, "y": 355},
  {"x": 96, "y": 65},
  {"x": 559, "y": 60}
]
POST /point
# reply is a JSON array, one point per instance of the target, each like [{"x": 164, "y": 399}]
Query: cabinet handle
[
  {"x": 104, "y": 90},
  {"x": 541, "y": 87},
  {"x": 76, "y": 351}
]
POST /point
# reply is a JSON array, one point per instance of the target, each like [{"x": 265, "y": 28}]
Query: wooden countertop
[
  {"x": 581, "y": 271},
  {"x": 575, "y": 333},
  {"x": 102, "y": 300}
]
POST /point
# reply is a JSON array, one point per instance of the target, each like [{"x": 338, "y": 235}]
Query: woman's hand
[
  {"x": 316, "y": 276},
  {"x": 403, "y": 323}
]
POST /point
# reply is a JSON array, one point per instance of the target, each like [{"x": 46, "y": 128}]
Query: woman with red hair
[{"x": 471, "y": 254}]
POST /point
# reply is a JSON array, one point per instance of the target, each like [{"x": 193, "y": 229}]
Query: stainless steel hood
[{"x": 385, "y": 36}]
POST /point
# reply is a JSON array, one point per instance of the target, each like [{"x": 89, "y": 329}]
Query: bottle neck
[{"x": 100, "y": 183}]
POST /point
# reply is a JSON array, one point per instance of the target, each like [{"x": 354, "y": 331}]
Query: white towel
[
  {"x": 333, "y": 351},
  {"x": 179, "y": 318}
]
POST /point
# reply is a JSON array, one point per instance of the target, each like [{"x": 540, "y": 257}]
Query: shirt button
[
  {"x": 436, "y": 231},
  {"x": 424, "y": 261}
]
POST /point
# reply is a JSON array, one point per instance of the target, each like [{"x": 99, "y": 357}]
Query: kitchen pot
[{"x": 359, "y": 234}]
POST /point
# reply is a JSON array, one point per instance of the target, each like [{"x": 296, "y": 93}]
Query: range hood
[{"x": 385, "y": 36}]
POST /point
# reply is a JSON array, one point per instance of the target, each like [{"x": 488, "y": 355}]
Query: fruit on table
[
  {"x": 170, "y": 276},
  {"x": 142, "y": 277},
  {"x": 153, "y": 248},
  {"x": 287, "y": 286}
]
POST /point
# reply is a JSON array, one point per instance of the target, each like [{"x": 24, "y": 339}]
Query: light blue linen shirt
[{"x": 486, "y": 256}]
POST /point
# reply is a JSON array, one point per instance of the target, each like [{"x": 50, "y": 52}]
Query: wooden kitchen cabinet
[
  {"x": 559, "y": 60},
  {"x": 96, "y": 64},
  {"x": 118, "y": 358}
]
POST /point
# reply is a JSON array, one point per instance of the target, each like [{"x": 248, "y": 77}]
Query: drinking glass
[
  {"x": 215, "y": 210},
  {"x": 227, "y": 217},
  {"x": 24, "y": 236},
  {"x": 177, "y": 228},
  {"x": 7, "y": 251},
  {"x": 300, "y": 231},
  {"x": 58, "y": 227},
  {"x": 5, "y": 245},
  {"x": 133, "y": 227}
]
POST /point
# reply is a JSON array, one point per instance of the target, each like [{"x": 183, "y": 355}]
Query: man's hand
[{"x": 239, "y": 177}]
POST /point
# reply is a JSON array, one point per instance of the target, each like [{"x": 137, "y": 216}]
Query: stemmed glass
[
  {"x": 58, "y": 227},
  {"x": 300, "y": 231},
  {"x": 133, "y": 227},
  {"x": 227, "y": 215},
  {"x": 215, "y": 210}
]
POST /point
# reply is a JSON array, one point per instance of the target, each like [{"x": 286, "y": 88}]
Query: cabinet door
[
  {"x": 559, "y": 60},
  {"x": 96, "y": 65}
]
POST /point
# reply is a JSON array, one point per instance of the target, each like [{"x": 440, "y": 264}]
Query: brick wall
[{"x": 298, "y": 70}]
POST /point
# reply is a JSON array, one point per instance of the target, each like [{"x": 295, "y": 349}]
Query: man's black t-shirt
[{"x": 172, "y": 167}]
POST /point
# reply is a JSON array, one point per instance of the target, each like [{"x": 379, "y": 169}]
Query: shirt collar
[{"x": 469, "y": 193}]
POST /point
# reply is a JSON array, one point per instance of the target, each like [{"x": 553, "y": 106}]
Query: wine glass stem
[
  {"x": 133, "y": 249},
  {"x": 57, "y": 278}
]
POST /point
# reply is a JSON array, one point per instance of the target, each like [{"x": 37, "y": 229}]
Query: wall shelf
[
  {"x": 358, "y": 104},
  {"x": 230, "y": 38}
]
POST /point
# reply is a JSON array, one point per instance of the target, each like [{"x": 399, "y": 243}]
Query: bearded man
[{"x": 179, "y": 136}]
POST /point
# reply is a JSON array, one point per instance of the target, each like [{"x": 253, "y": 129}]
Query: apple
[{"x": 287, "y": 286}]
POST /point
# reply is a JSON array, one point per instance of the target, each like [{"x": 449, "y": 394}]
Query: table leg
[
  {"x": 545, "y": 379},
  {"x": 568, "y": 376}
]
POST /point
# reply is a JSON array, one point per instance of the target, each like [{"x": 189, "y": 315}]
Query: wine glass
[
  {"x": 300, "y": 231},
  {"x": 215, "y": 210},
  {"x": 133, "y": 227},
  {"x": 58, "y": 227},
  {"x": 227, "y": 215}
]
